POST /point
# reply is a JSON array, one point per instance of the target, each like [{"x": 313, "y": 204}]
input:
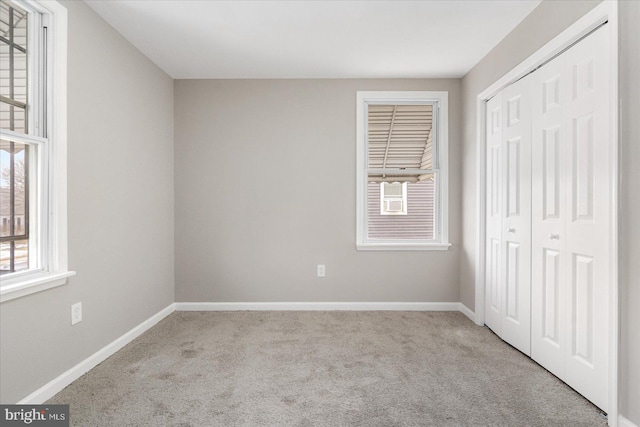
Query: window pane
[
  {"x": 19, "y": 77},
  {"x": 19, "y": 26},
  {"x": 417, "y": 224},
  {"x": 13, "y": 63},
  {"x": 13, "y": 67},
  {"x": 399, "y": 136},
  {"x": 14, "y": 256},
  {"x": 19, "y": 19},
  {"x": 14, "y": 206},
  {"x": 5, "y": 257},
  {"x": 12, "y": 118},
  {"x": 13, "y": 188},
  {"x": 4, "y": 69},
  {"x": 19, "y": 181}
]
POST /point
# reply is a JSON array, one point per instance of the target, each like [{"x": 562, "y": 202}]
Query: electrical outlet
[
  {"x": 321, "y": 270},
  {"x": 76, "y": 313}
]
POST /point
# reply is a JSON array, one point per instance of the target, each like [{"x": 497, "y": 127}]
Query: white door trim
[{"x": 607, "y": 11}]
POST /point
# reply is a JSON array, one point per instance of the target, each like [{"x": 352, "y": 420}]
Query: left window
[{"x": 33, "y": 244}]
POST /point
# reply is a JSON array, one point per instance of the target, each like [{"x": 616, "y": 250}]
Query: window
[
  {"x": 393, "y": 198},
  {"x": 401, "y": 171},
  {"x": 33, "y": 251}
]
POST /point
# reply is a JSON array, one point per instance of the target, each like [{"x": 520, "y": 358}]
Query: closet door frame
[{"x": 605, "y": 12}]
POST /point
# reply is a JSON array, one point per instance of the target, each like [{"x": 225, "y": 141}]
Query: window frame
[
  {"x": 440, "y": 99},
  {"x": 52, "y": 157}
]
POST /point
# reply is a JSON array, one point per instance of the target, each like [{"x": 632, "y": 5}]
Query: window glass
[
  {"x": 14, "y": 156},
  {"x": 418, "y": 222},
  {"x": 13, "y": 67},
  {"x": 399, "y": 138},
  {"x": 402, "y": 190}
]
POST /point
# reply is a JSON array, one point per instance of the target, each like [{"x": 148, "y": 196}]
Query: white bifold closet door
[
  {"x": 572, "y": 245},
  {"x": 508, "y": 251},
  {"x": 549, "y": 212}
]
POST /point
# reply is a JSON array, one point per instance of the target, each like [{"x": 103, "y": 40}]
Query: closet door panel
[
  {"x": 494, "y": 212},
  {"x": 589, "y": 194},
  {"x": 549, "y": 277},
  {"x": 571, "y": 217},
  {"x": 516, "y": 224}
]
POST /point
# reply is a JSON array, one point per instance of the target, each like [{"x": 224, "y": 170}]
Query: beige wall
[
  {"x": 543, "y": 24},
  {"x": 630, "y": 210},
  {"x": 265, "y": 190},
  {"x": 120, "y": 211}
]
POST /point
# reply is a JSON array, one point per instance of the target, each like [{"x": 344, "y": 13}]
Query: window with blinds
[{"x": 402, "y": 170}]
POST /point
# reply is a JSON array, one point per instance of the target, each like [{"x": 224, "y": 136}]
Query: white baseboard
[
  {"x": 324, "y": 306},
  {"x": 467, "y": 312},
  {"x": 623, "y": 422},
  {"x": 56, "y": 385}
]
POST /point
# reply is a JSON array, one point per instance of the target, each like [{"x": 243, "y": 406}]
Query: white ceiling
[{"x": 314, "y": 39}]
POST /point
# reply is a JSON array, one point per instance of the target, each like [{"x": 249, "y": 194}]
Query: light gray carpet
[{"x": 322, "y": 369}]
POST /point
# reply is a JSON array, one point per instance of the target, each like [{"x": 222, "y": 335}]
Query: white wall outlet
[
  {"x": 321, "y": 270},
  {"x": 76, "y": 313}
]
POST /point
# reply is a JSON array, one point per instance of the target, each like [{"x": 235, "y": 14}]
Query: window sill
[
  {"x": 403, "y": 246},
  {"x": 27, "y": 285}
]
